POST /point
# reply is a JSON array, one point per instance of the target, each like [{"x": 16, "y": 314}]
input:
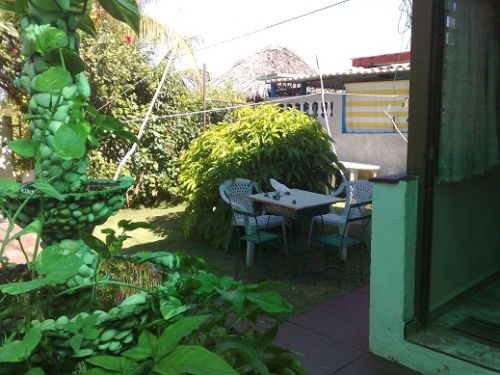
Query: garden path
[{"x": 333, "y": 337}]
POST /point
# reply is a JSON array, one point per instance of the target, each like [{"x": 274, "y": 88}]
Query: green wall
[
  {"x": 392, "y": 284},
  {"x": 466, "y": 235}
]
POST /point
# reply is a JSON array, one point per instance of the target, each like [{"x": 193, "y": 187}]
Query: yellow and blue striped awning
[{"x": 365, "y": 113}]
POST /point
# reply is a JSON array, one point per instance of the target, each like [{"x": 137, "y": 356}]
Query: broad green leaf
[
  {"x": 23, "y": 286},
  {"x": 172, "y": 307},
  {"x": 9, "y": 186},
  {"x": 119, "y": 364},
  {"x": 177, "y": 331},
  {"x": 82, "y": 129},
  {"x": 49, "y": 190},
  {"x": 73, "y": 63},
  {"x": 58, "y": 264},
  {"x": 244, "y": 347},
  {"x": 75, "y": 342},
  {"x": 33, "y": 227},
  {"x": 100, "y": 371},
  {"x": 46, "y": 5},
  {"x": 108, "y": 122},
  {"x": 18, "y": 6},
  {"x": 126, "y": 135},
  {"x": 52, "y": 80},
  {"x": 17, "y": 351},
  {"x": 146, "y": 347},
  {"x": 95, "y": 244},
  {"x": 169, "y": 259},
  {"x": 194, "y": 360},
  {"x": 125, "y": 11},
  {"x": 50, "y": 39},
  {"x": 86, "y": 24},
  {"x": 269, "y": 302},
  {"x": 126, "y": 181},
  {"x": 237, "y": 298},
  {"x": 22, "y": 147},
  {"x": 268, "y": 336},
  {"x": 68, "y": 144}
]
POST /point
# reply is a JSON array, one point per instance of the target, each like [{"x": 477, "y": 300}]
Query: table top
[
  {"x": 303, "y": 199},
  {"x": 360, "y": 166}
]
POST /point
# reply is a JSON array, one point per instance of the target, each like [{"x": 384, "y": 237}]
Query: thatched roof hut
[{"x": 247, "y": 74}]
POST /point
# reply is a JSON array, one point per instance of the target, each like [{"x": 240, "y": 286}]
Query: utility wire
[
  {"x": 244, "y": 35},
  {"x": 241, "y": 36}
]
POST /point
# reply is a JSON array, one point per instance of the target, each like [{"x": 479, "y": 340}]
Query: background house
[
  {"x": 244, "y": 75},
  {"x": 366, "y": 107}
]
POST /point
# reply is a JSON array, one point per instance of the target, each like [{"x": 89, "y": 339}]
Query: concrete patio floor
[{"x": 333, "y": 337}]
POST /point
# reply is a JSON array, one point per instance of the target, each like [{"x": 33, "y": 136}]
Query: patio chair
[
  {"x": 256, "y": 226},
  {"x": 355, "y": 192},
  {"x": 356, "y": 213},
  {"x": 239, "y": 189}
]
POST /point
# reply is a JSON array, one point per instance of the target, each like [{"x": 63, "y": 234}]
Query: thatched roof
[{"x": 270, "y": 61}]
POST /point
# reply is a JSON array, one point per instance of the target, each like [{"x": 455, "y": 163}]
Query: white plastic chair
[
  {"x": 235, "y": 193},
  {"x": 355, "y": 192}
]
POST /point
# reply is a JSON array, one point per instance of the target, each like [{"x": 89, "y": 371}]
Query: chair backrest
[
  {"x": 235, "y": 193},
  {"x": 358, "y": 212},
  {"x": 356, "y": 192}
]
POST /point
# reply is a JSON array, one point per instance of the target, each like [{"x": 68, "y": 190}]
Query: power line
[
  {"x": 244, "y": 35},
  {"x": 241, "y": 36}
]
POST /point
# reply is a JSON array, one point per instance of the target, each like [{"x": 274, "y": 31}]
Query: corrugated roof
[{"x": 332, "y": 80}]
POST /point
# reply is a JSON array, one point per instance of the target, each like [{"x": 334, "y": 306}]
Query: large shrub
[{"x": 264, "y": 142}]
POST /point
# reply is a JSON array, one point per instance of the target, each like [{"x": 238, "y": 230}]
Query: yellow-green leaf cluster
[{"x": 265, "y": 142}]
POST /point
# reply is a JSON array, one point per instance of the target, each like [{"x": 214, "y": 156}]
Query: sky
[{"x": 355, "y": 28}]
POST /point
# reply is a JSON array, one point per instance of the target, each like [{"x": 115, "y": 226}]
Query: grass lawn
[{"x": 303, "y": 291}]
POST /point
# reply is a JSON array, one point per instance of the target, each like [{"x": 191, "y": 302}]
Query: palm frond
[{"x": 164, "y": 37}]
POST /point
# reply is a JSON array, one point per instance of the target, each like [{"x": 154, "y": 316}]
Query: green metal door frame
[{"x": 428, "y": 29}]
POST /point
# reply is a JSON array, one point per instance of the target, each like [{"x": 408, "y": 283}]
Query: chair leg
[
  {"x": 228, "y": 238},
  {"x": 340, "y": 273},
  {"x": 361, "y": 262},
  {"x": 284, "y": 239},
  {"x": 237, "y": 260}
]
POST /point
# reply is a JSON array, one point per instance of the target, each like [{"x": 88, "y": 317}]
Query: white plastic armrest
[{"x": 340, "y": 189}]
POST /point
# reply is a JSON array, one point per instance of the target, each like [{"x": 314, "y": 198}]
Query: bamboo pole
[{"x": 142, "y": 128}]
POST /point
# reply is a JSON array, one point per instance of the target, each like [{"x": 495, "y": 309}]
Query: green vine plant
[{"x": 54, "y": 315}]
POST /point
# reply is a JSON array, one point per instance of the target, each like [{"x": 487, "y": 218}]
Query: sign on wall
[{"x": 367, "y": 112}]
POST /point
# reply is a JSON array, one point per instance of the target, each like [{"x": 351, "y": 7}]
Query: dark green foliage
[
  {"x": 114, "y": 66},
  {"x": 266, "y": 142}
]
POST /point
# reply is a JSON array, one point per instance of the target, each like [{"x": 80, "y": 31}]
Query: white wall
[{"x": 387, "y": 150}]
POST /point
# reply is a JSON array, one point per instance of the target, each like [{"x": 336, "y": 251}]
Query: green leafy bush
[{"x": 265, "y": 142}]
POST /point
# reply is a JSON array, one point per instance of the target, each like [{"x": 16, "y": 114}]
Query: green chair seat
[
  {"x": 260, "y": 237},
  {"x": 337, "y": 241}
]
